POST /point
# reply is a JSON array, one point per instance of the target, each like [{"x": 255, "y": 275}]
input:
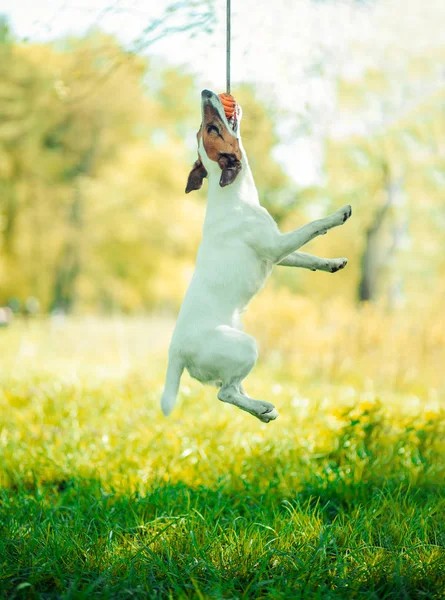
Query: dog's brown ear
[
  {"x": 230, "y": 166},
  {"x": 196, "y": 176}
]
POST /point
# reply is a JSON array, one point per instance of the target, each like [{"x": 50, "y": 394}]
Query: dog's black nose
[{"x": 206, "y": 94}]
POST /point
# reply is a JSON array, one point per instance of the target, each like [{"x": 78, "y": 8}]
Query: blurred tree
[
  {"x": 386, "y": 156},
  {"x": 393, "y": 176},
  {"x": 276, "y": 190},
  {"x": 64, "y": 118},
  {"x": 93, "y": 212},
  {"x": 5, "y": 32},
  {"x": 50, "y": 143}
]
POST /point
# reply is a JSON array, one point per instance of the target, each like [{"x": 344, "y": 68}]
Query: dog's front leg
[
  {"x": 314, "y": 263},
  {"x": 286, "y": 243}
]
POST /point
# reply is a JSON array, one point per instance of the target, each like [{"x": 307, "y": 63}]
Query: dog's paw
[
  {"x": 268, "y": 416},
  {"x": 342, "y": 214},
  {"x": 265, "y": 411},
  {"x": 337, "y": 264},
  {"x": 346, "y": 212}
]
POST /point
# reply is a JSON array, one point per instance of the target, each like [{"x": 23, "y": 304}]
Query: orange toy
[{"x": 229, "y": 104}]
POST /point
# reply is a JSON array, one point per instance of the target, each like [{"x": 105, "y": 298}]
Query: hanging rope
[
  {"x": 227, "y": 100},
  {"x": 228, "y": 34}
]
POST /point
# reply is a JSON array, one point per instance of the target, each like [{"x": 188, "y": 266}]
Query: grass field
[{"x": 341, "y": 497}]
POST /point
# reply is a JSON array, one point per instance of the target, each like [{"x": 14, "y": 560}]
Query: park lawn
[{"x": 101, "y": 497}]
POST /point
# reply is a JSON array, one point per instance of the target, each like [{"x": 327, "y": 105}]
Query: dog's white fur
[{"x": 241, "y": 243}]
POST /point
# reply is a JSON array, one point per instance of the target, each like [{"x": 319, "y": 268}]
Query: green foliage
[
  {"x": 93, "y": 214},
  {"x": 393, "y": 177},
  {"x": 342, "y": 497},
  {"x": 191, "y": 542},
  {"x": 91, "y": 177}
]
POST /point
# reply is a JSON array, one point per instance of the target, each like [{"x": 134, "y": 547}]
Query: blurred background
[
  {"x": 343, "y": 497},
  {"x": 344, "y": 102}
]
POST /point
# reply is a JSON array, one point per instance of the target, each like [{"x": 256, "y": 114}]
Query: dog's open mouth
[
  {"x": 233, "y": 120},
  {"x": 213, "y": 101}
]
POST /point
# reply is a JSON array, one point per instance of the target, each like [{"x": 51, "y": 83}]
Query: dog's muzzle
[{"x": 212, "y": 99}]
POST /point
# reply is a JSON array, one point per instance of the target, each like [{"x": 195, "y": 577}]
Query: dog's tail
[{"x": 174, "y": 372}]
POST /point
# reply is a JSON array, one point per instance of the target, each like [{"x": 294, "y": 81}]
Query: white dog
[{"x": 241, "y": 243}]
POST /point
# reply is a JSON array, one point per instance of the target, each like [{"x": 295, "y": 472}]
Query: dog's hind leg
[
  {"x": 264, "y": 411},
  {"x": 228, "y": 356}
]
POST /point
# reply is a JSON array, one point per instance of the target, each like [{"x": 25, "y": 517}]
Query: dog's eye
[{"x": 211, "y": 128}]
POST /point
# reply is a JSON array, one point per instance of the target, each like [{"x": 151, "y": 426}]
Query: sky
[{"x": 291, "y": 50}]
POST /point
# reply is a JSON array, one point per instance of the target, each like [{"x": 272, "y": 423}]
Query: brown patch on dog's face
[
  {"x": 220, "y": 145},
  {"x": 216, "y": 138}
]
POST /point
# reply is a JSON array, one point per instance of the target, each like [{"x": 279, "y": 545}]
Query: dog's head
[{"x": 218, "y": 143}]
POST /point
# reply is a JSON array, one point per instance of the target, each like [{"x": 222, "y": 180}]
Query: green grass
[
  {"x": 101, "y": 497},
  {"x": 72, "y": 539}
]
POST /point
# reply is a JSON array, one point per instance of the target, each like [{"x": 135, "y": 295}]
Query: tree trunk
[
  {"x": 370, "y": 261},
  {"x": 70, "y": 264}
]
